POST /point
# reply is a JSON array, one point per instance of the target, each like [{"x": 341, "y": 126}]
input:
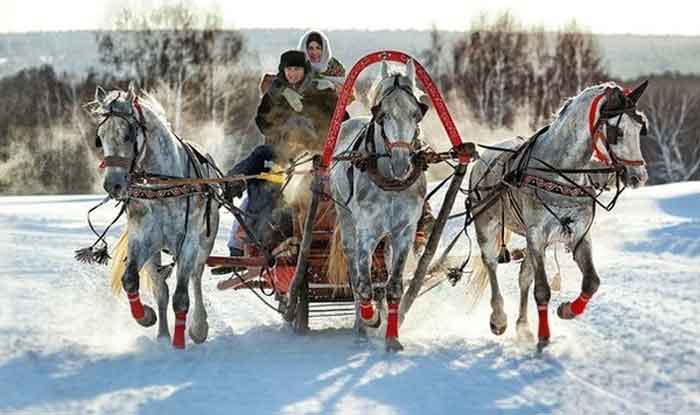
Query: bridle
[
  {"x": 134, "y": 124},
  {"x": 613, "y": 133},
  {"x": 378, "y": 120}
]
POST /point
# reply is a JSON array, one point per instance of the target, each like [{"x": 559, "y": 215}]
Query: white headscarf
[{"x": 326, "y": 56}]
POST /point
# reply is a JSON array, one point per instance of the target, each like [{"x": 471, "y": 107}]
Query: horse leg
[
  {"x": 524, "y": 281},
  {"x": 347, "y": 240},
  {"x": 136, "y": 258},
  {"x": 584, "y": 259},
  {"x": 181, "y": 298},
  {"x": 362, "y": 283},
  {"x": 489, "y": 255},
  {"x": 161, "y": 294},
  {"x": 200, "y": 328},
  {"x": 535, "y": 250},
  {"x": 401, "y": 245}
]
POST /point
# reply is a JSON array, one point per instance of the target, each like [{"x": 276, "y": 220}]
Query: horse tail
[
  {"x": 116, "y": 271},
  {"x": 337, "y": 264},
  {"x": 480, "y": 274}
]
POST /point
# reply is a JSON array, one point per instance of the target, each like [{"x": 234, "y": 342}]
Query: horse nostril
[
  {"x": 117, "y": 188},
  {"x": 635, "y": 180}
]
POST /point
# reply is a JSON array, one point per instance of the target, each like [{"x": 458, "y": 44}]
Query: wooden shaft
[
  {"x": 433, "y": 241},
  {"x": 307, "y": 236}
]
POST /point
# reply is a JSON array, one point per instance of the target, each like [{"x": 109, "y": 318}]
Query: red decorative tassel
[
  {"x": 579, "y": 305},
  {"x": 135, "y": 304},
  {"x": 392, "y": 324},
  {"x": 543, "y": 330},
  {"x": 366, "y": 310},
  {"x": 179, "y": 334}
]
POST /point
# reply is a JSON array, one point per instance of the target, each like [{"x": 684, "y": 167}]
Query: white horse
[
  {"x": 182, "y": 220},
  {"x": 542, "y": 190},
  {"x": 385, "y": 196}
]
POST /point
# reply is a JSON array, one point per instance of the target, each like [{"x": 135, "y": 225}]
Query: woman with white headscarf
[{"x": 318, "y": 51}]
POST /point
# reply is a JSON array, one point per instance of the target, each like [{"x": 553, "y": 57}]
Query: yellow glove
[{"x": 277, "y": 178}]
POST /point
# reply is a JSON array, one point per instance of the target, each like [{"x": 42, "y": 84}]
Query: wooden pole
[
  {"x": 307, "y": 236},
  {"x": 433, "y": 241}
]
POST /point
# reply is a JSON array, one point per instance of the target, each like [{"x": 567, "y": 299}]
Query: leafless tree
[{"x": 673, "y": 150}]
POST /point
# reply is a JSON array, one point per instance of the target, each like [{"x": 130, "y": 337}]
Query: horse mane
[
  {"x": 147, "y": 101},
  {"x": 587, "y": 93}
]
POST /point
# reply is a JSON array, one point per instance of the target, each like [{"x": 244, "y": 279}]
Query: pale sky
[{"x": 599, "y": 16}]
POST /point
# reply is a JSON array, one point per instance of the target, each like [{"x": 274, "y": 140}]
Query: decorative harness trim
[
  {"x": 557, "y": 187},
  {"x": 136, "y": 191}
]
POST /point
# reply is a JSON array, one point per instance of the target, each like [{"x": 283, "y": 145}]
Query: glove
[
  {"x": 322, "y": 84},
  {"x": 293, "y": 98},
  {"x": 233, "y": 189}
]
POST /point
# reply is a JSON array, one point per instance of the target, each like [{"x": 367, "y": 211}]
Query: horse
[
  {"x": 182, "y": 220},
  {"x": 383, "y": 196},
  {"x": 543, "y": 189}
]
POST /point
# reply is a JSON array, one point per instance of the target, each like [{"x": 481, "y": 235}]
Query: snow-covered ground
[{"x": 67, "y": 345}]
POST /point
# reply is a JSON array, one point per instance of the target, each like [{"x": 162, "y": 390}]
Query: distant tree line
[
  {"x": 500, "y": 67},
  {"x": 179, "y": 55},
  {"x": 502, "y": 70}
]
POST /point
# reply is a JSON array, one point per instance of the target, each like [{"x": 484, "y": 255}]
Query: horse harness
[
  {"x": 365, "y": 160},
  {"x": 139, "y": 181}
]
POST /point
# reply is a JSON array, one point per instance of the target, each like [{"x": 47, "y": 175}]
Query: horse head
[
  {"x": 397, "y": 109},
  {"x": 622, "y": 126},
  {"x": 607, "y": 116},
  {"x": 120, "y": 134}
]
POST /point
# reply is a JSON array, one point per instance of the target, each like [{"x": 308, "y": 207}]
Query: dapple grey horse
[
  {"x": 372, "y": 213},
  {"x": 546, "y": 206},
  {"x": 183, "y": 220}
]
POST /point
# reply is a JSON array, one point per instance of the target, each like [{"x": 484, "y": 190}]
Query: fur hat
[{"x": 293, "y": 58}]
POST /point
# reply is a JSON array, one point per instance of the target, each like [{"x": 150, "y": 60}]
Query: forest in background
[{"x": 501, "y": 77}]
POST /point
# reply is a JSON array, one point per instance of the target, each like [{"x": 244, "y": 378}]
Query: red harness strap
[{"x": 596, "y": 135}]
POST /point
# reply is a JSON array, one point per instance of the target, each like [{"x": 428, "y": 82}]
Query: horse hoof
[
  {"x": 393, "y": 345},
  {"x": 542, "y": 343},
  {"x": 149, "y": 317},
  {"x": 200, "y": 335},
  {"x": 498, "y": 330},
  {"x": 564, "y": 311}
]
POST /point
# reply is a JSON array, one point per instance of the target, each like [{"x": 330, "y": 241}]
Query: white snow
[{"x": 68, "y": 346}]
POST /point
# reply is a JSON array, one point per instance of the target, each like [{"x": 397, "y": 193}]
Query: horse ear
[
  {"x": 411, "y": 71},
  {"x": 100, "y": 94},
  {"x": 384, "y": 71},
  {"x": 638, "y": 91},
  {"x": 131, "y": 93}
]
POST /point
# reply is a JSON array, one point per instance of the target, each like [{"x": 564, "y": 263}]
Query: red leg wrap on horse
[
  {"x": 366, "y": 310},
  {"x": 579, "y": 304},
  {"x": 135, "y": 304},
  {"x": 179, "y": 334},
  {"x": 543, "y": 331},
  {"x": 392, "y": 323}
]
